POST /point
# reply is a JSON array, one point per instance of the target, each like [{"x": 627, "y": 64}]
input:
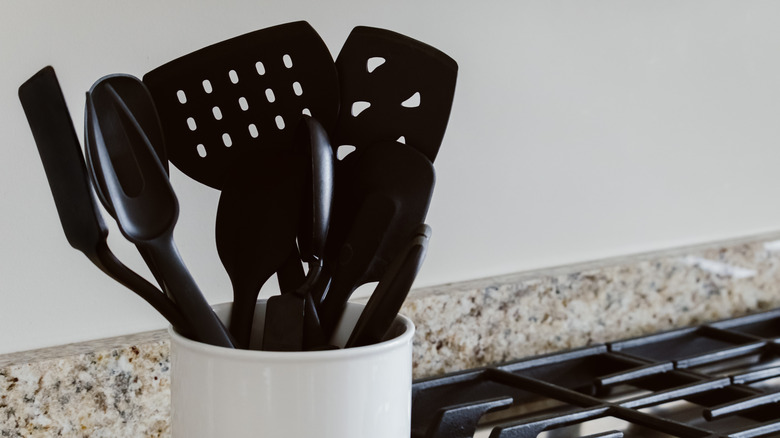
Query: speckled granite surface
[
  {"x": 120, "y": 387},
  {"x": 114, "y": 391},
  {"x": 500, "y": 319}
]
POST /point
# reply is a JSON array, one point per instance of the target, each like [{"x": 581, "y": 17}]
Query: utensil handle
[
  {"x": 291, "y": 275},
  {"x": 390, "y": 293},
  {"x": 153, "y": 269},
  {"x": 114, "y": 268},
  {"x": 205, "y": 325},
  {"x": 373, "y": 219}
]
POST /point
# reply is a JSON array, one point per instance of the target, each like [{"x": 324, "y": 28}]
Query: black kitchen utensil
[
  {"x": 292, "y": 321},
  {"x": 396, "y": 97},
  {"x": 135, "y": 96},
  {"x": 63, "y": 162},
  {"x": 315, "y": 220},
  {"x": 242, "y": 93},
  {"x": 390, "y": 292},
  {"x": 257, "y": 221},
  {"x": 145, "y": 205},
  {"x": 318, "y": 157},
  {"x": 386, "y": 198}
]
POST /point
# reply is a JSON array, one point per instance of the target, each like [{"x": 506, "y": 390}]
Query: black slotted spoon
[{"x": 145, "y": 206}]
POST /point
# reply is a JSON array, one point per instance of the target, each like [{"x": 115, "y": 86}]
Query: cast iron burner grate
[{"x": 715, "y": 380}]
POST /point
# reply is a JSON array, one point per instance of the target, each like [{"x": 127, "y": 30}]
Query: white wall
[{"x": 580, "y": 130}]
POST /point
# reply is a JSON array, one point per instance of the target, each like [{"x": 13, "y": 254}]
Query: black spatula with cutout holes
[
  {"x": 396, "y": 95},
  {"x": 222, "y": 104}
]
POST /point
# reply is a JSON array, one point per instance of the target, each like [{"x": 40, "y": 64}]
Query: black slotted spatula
[
  {"x": 220, "y": 103},
  {"x": 396, "y": 97}
]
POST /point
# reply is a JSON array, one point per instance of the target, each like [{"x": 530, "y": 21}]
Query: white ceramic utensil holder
[{"x": 347, "y": 393}]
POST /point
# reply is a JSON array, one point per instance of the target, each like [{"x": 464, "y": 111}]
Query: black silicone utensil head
[
  {"x": 135, "y": 96},
  {"x": 391, "y": 174},
  {"x": 63, "y": 162},
  {"x": 134, "y": 179},
  {"x": 313, "y": 144},
  {"x": 245, "y": 92},
  {"x": 393, "y": 87}
]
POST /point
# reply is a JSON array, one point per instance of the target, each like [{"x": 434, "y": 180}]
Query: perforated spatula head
[
  {"x": 245, "y": 92},
  {"x": 393, "y": 87}
]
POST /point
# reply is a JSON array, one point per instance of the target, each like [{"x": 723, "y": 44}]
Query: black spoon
[
  {"x": 63, "y": 162},
  {"x": 144, "y": 203},
  {"x": 257, "y": 220}
]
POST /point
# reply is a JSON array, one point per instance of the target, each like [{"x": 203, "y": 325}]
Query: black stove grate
[{"x": 715, "y": 380}]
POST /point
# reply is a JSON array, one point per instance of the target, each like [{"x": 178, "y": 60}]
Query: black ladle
[
  {"x": 144, "y": 203},
  {"x": 63, "y": 162}
]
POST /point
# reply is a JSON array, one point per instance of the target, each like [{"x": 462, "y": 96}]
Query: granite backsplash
[{"x": 120, "y": 387}]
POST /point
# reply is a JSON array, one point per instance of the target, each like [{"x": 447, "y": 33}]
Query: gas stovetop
[{"x": 715, "y": 380}]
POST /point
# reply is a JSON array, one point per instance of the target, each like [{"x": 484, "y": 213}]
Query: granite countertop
[{"x": 120, "y": 387}]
